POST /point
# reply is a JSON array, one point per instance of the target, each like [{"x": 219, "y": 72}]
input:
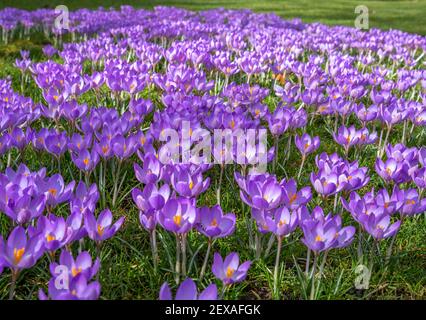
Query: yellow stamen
[
  {"x": 75, "y": 271},
  {"x": 177, "y": 219},
  {"x": 86, "y": 161},
  {"x": 18, "y": 254},
  {"x": 318, "y": 238},
  {"x": 282, "y": 222},
  {"x": 191, "y": 185},
  {"x": 214, "y": 223},
  {"x": 50, "y": 237},
  {"x": 53, "y": 191},
  {"x": 100, "y": 230},
  {"x": 229, "y": 272}
]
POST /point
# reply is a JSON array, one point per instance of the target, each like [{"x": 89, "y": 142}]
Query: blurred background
[{"x": 407, "y": 15}]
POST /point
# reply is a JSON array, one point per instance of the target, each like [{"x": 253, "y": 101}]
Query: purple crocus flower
[
  {"x": 151, "y": 197},
  {"x": 54, "y": 231},
  {"x": 325, "y": 184},
  {"x": 321, "y": 233},
  {"x": 281, "y": 221},
  {"x": 178, "y": 215},
  {"x": 78, "y": 289},
  {"x": 84, "y": 160},
  {"x": 230, "y": 271},
  {"x": 102, "y": 228},
  {"x": 412, "y": 203},
  {"x": 21, "y": 251},
  {"x": 21, "y": 208},
  {"x": 380, "y": 226},
  {"x": 214, "y": 224},
  {"x": 55, "y": 190},
  {"x": 188, "y": 183},
  {"x": 306, "y": 144},
  {"x": 84, "y": 199},
  {"x": 279, "y": 121},
  {"x": 150, "y": 172},
  {"x": 83, "y": 264},
  {"x": 346, "y": 137},
  {"x": 292, "y": 198},
  {"x": 188, "y": 291},
  {"x": 148, "y": 219},
  {"x": 261, "y": 191},
  {"x": 56, "y": 143},
  {"x": 391, "y": 170}
]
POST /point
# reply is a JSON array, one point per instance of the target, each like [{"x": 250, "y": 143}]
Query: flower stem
[
  {"x": 301, "y": 167},
  {"x": 177, "y": 266},
  {"x": 116, "y": 178},
  {"x": 274, "y": 163},
  {"x": 206, "y": 259},
  {"x": 183, "y": 243},
  {"x": 277, "y": 264},
  {"x": 13, "y": 284},
  {"x": 359, "y": 250},
  {"x": 385, "y": 142},
  {"x": 308, "y": 260},
  {"x": 321, "y": 270},
  {"x": 153, "y": 238},
  {"x": 312, "y": 296},
  {"x": 219, "y": 184},
  {"x": 258, "y": 241}
]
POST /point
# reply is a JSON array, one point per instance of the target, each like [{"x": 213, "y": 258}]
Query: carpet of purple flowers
[{"x": 88, "y": 210}]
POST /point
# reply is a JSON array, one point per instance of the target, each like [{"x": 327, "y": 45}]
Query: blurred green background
[{"x": 407, "y": 15}]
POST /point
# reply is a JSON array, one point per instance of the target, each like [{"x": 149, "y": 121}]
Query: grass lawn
[
  {"x": 126, "y": 271},
  {"x": 407, "y": 15}
]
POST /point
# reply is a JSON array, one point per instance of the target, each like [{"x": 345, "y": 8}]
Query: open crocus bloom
[
  {"x": 230, "y": 270},
  {"x": 102, "y": 228},
  {"x": 178, "y": 215},
  {"x": 214, "y": 224},
  {"x": 21, "y": 251}
]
